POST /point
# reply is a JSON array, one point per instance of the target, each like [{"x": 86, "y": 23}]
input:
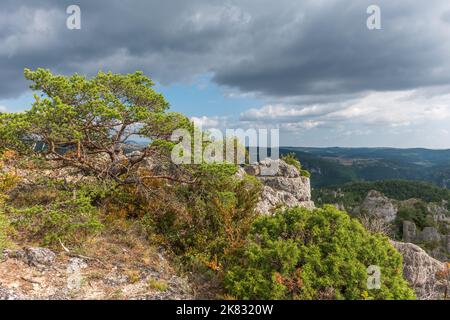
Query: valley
[{"x": 337, "y": 166}]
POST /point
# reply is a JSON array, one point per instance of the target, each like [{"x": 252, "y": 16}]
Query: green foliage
[
  {"x": 320, "y": 254},
  {"x": 207, "y": 220},
  {"x": 305, "y": 173},
  {"x": 75, "y": 109},
  {"x": 7, "y": 182},
  {"x": 158, "y": 285},
  {"x": 5, "y": 229},
  {"x": 65, "y": 219},
  {"x": 13, "y": 128},
  {"x": 86, "y": 123},
  {"x": 291, "y": 158},
  {"x": 417, "y": 213},
  {"x": 353, "y": 194}
]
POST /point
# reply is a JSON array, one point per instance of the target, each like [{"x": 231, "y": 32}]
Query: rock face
[
  {"x": 430, "y": 234},
  {"x": 283, "y": 186},
  {"x": 427, "y": 276},
  {"x": 377, "y": 204}
]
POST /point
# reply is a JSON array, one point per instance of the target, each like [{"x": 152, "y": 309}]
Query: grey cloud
[
  {"x": 169, "y": 40},
  {"x": 330, "y": 51},
  {"x": 308, "y": 50},
  {"x": 446, "y": 16}
]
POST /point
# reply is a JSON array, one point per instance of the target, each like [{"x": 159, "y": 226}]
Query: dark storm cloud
[
  {"x": 330, "y": 50},
  {"x": 169, "y": 40},
  {"x": 275, "y": 48}
]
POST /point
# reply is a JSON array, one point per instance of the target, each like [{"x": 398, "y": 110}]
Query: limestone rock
[
  {"x": 271, "y": 167},
  {"x": 439, "y": 211},
  {"x": 283, "y": 186},
  {"x": 8, "y": 294},
  {"x": 36, "y": 257},
  {"x": 430, "y": 234},
  {"x": 377, "y": 204},
  {"x": 426, "y": 275},
  {"x": 436, "y": 244},
  {"x": 76, "y": 278},
  {"x": 448, "y": 243},
  {"x": 271, "y": 198},
  {"x": 409, "y": 231}
]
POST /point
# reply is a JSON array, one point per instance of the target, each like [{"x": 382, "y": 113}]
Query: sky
[{"x": 311, "y": 68}]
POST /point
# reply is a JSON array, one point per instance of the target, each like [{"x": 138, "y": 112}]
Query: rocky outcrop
[
  {"x": 436, "y": 244},
  {"x": 434, "y": 237},
  {"x": 430, "y": 234},
  {"x": 37, "y": 257},
  {"x": 439, "y": 211},
  {"x": 378, "y": 205},
  {"x": 409, "y": 231},
  {"x": 283, "y": 186},
  {"x": 427, "y": 276}
]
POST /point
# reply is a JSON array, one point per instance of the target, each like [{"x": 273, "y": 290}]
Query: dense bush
[
  {"x": 320, "y": 254},
  {"x": 60, "y": 216},
  {"x": 7, "y": 182},
  {"x": 291, "y": 158},
  {"x": 418, "y": 213},
  {"x": 206, "y": 221},
  {"x": 4, "y": 230}
]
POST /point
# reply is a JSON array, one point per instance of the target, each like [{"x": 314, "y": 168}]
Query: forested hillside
[
  {"x": 352, "y": 194},
  {"x": 337, "y": 166}
]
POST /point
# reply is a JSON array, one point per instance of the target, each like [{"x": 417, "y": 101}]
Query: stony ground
[{"x": 39, "y": 273}]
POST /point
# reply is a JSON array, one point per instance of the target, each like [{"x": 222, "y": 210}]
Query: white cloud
[
  {"x": 384, "y": 109},
  {"x": 280, "y": 112},
  {"x": 209, "y": 122},
  {"x": 400, "y": 108}
]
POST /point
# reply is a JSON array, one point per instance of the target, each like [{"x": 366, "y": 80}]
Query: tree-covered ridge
[
  {"x": 352, "y": 194},
  {"x": 337, "y": 166}
]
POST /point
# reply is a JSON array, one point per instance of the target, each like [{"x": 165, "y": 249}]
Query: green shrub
[
  {"x": 7, "y": 182},
  {"x": 206, "y": 221},
  {"x": 69, "y": 221},
  {"x": 305, "y": 173},
  {"x": 320, "y": 254},
  {"x": 291, "y": 158},
  {"x": 4, "y": 231},
  {"x": 158, "y": 285},
  {"x": 417, "y": 213}
]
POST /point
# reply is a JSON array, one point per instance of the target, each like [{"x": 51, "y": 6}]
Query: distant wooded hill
[
  {"x": 337, "y": 166},
  {"x": 353, "y": 193}
]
